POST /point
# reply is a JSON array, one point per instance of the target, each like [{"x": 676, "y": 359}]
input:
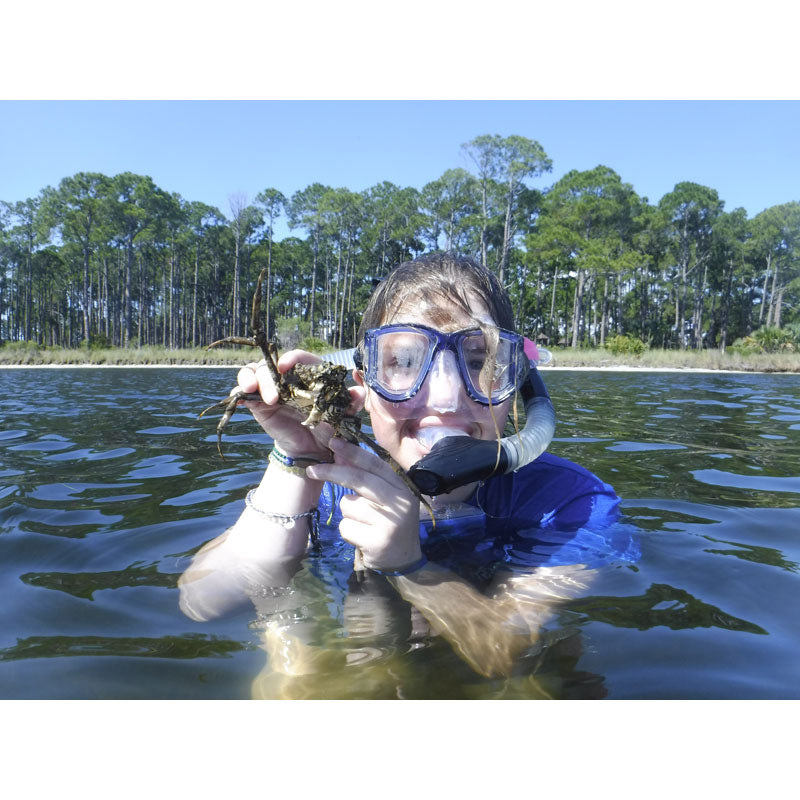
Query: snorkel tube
[{"x": 458, "y": 460}]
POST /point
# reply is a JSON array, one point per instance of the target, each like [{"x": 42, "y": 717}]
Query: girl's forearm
[{"x": 262, "y": 548}]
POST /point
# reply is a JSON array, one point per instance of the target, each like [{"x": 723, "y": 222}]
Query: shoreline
[
  {"x": 120, "y": 366},
  {"x": 543, "y": 368}
]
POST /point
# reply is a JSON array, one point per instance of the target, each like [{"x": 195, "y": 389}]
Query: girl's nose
[{"x": 444, "y": 384}]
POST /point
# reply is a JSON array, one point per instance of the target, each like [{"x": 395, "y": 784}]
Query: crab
[{"x": 317, "y": 390}]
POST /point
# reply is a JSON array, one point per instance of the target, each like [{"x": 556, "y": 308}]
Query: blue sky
[
  {"x": 269, "y": 67},
  {"x": 208, "y": 150}
]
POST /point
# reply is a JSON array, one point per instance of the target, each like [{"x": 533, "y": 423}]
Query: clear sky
[{"x": 208, "y": 150}]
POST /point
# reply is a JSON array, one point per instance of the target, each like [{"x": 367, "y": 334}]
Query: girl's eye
[
  {"x": 402, "y": 362},
  {"x": 475, "y": 359}
]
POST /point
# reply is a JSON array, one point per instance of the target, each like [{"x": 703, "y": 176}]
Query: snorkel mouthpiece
[{"x": 458, "y": 460}]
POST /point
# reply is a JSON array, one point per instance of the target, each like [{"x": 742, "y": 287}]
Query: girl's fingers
[
  {"x": 349, "y": 454},
  {"x": 363, "y": 483},
  {"x": 359, "y": 509},
  {"x": 381, "y": 539},
  {"x": 358, "y": 395},
  {"x": 363, "y": 472},
  {"x": 354, "y": 532},
  {"x": 292, "y": 357},
  {"x": 246, "y": 379},
  {"x": 255, "y": 377},
  {"x": 266, "y": 386}
]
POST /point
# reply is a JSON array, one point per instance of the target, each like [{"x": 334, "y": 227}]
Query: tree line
[{"x": 119, "y": 261}]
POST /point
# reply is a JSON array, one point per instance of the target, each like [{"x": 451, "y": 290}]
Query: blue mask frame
[{"x": 438, "y": 341}]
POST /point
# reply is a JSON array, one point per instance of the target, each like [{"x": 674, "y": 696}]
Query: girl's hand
[
  {"x": 282, "y": 422},
  {"x": 382, "y": 518}
]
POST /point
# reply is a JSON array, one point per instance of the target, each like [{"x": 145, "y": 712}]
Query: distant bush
[
  {"x": 291, "y": 331},
  {"x": 21, "y": 346},
  {"x": 746, "y": 346},
  {"x": 769, "y": 340},
  {"x": 314, "y": 345},
  {"x": 625, "y": 345},
  {"x": 99, "y": 341},
  {"x": 19, "y": 353},
  {"x": 773, "y": 340}
]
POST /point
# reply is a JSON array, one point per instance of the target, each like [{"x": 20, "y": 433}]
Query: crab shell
[{"x": 322, "y": 389}]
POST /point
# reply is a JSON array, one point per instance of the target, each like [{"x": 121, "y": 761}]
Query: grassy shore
[
  {"x": 679, "y": 359},
  {"x": 15, "y": 354}
]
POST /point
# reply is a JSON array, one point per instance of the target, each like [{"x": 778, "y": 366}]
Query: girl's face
[{"x": 442, "y": 407}]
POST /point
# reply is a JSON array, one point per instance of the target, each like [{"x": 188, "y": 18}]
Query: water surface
[{"x": 109, "y": 484}]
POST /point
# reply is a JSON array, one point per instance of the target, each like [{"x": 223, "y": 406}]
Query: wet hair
[{"x": 446, "y": 283}]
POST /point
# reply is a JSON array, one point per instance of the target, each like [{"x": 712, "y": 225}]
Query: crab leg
[
  {"x": 259, "y": 337},
  {"x": 229, "y": 404}
]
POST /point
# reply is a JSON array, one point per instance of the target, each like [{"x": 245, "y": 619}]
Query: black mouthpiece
[{"x": 456, "y": 461}]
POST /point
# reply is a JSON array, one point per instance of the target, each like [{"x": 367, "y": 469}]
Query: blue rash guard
[{"x": 550, "y": 512}]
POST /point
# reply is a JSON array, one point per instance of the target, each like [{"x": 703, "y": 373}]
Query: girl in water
[{"x": 422, "y": 375}]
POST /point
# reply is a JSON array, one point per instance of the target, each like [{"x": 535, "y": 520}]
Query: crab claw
[{"x": 229, "y": 404}]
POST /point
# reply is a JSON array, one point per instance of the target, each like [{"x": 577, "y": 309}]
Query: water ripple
[
  {"x": 640, "y": 447},
  {"x": 89, "y": 454},
  {"x": 98, "y": 519},
  {"x": 12, "y": 434},
  {"x": 717, "y": 477}
]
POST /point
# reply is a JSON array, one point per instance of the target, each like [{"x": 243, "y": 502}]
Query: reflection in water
[
  {"x": 109, "y": 482},
  {"x": 758, "y": 555},
  {"x": 660, "y": 605},
  {"x": 195, "y": 645},
  {"x": 384, "y": 648},
  {"x": 85, "y": 584}
]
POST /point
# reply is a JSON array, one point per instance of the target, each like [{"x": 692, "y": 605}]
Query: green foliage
[
  {"x": 98, "y": 341},
  {"x": 19, "y": 347},
  {"x": 291, "y": 332},
  {"x": 745, "y": 346},
  {"x": 581, "y": 259},
  {"x": 625, "y": 345},
  {"x": 793, "y": 329},
  {"x": 770, "y": 340},
  {"x": 19, "y": 353},
  {"x": 314, "y": 345}
]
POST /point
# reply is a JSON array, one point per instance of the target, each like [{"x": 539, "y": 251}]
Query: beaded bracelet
[
  {"x": 287, "y": 520},
  {"x": 396, "y": 573},
  {"x": 294, "y": 465}
]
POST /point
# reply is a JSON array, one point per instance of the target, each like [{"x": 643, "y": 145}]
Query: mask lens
[
  {"x": 489, "y": 379},
  {"x": 401, "y": 359}
]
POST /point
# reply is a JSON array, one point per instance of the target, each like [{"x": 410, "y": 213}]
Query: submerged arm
[{"x": 257, "y": 551}]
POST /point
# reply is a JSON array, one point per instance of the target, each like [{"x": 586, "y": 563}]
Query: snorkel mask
[{"x": 399, "y": 358}]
